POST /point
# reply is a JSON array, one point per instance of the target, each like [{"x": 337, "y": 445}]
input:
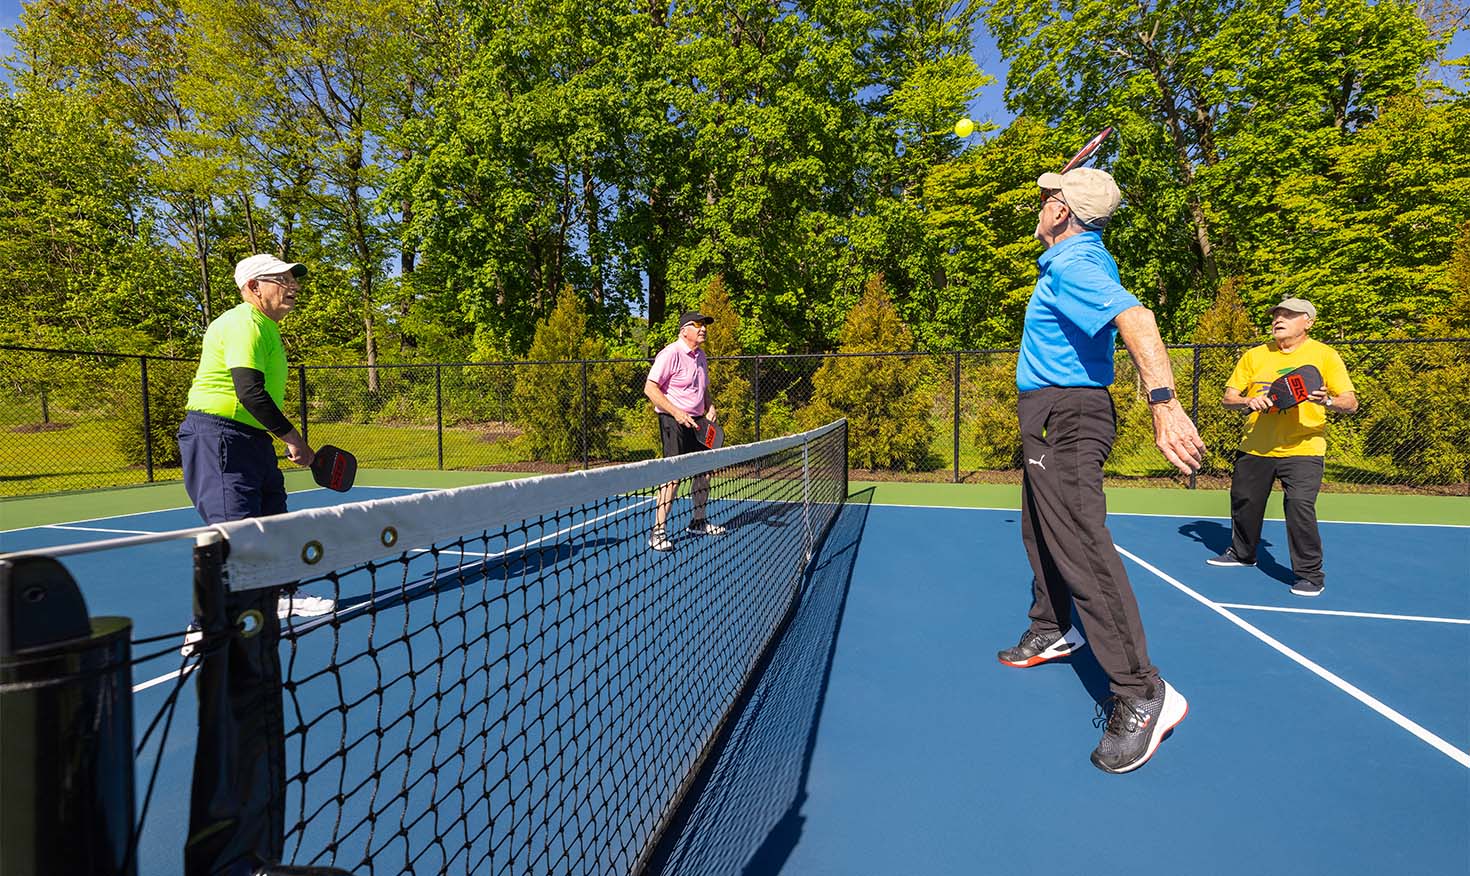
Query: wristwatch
[
  {"x": 1160, "y": 395},
  {"x": 1327, "y": 402}
]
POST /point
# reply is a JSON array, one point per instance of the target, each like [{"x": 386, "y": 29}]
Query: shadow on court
[
  {"x": 1215, "y": 537},
  {"x": 743, "y": 815}
]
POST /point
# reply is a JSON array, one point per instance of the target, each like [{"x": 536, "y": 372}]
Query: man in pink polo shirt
[{"x": 678, "y": 386}]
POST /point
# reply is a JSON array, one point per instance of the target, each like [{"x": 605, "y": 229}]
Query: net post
[
  {"x": 301, "y": 396},
  {"x": 237, "y": 799},
  {"x": 956, "y": 417},
  {"x": 585, "y": 462},
  {"x": 755, "y": 383},
  {"x": 66, "y": 727},
  {"x": 439, "y": 411},
  {"x": 147, "y": 422},
  {"x": 1194, "y": 404}
]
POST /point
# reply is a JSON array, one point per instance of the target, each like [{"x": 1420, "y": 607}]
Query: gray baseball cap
[{"x": 1296, "y": 305}]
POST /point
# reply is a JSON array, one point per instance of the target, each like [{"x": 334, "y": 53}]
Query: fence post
[
  {"x": 1194, "y": 404},
  {"x": 956, "y": 417},
  {"x": 147, "y": 422},
  {"x": 439, "y": 411},
  {"x": 301, "y": 400},
  {"x": 585, "y": 462},
  {"x": 755, "y": 384}
]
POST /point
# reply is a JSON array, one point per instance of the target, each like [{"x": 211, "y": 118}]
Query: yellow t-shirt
[{"x": 1298, "y": 431}]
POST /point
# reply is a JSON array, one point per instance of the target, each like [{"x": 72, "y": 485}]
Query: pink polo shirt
[{"x": 681, "y": 375}]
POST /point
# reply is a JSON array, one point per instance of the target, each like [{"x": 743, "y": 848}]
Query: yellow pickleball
[{"x": 964, "y": 128}]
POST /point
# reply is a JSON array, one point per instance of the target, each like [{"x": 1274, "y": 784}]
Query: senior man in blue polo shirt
[{"x": 1068, "y": 424}]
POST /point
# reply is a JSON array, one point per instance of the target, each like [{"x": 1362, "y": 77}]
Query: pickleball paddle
[
  {"x": 1294, "y": 387},
  {"x": 709, "y": 432},
  {"x": 334, "y": 468}
]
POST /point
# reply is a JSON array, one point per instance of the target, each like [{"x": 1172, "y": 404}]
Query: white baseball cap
[
  {"x": 264, "y": 265},
  {"x": 1089, "y": 193}
]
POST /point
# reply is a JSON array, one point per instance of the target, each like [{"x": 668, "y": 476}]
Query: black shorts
[{"x": 678, "y": 439}]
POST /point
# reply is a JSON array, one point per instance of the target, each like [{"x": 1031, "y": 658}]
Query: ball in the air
[{"x": 964, "y": 128}]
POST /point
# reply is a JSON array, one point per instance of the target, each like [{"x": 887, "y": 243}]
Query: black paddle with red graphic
[
  {"x": 709, "y": 432},
  {"x": 1294, "y": 387},
  {"x": 334, "y": 468}
]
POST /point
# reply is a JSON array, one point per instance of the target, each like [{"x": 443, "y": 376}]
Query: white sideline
[
  {"x": 1363, "y": 614},
  {"x": 1450, "y": 751}
]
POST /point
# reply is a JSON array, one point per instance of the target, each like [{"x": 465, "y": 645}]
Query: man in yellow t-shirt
[{"x": 1289, "y": 445}]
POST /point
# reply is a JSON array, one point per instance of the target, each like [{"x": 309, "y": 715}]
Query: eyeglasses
[
  {"x": 1054, "y": 196},
  {"x": 283, "y": 282}
]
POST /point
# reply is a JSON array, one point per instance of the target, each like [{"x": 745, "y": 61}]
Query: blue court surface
[{"x": 1327, "y": 735}]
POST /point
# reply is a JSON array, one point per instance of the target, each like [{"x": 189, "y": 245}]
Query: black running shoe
[
  {"x": 1135, "y": 728},
  {"x": 1304, "y": 587},
  {"x": 1035, "y": 648},
  {"x": 1229, "y": 559}
]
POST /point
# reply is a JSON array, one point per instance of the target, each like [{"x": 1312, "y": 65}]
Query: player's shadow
[
  {"x": 1215, "y": 536},
  {"x": 743, "y": 814}
]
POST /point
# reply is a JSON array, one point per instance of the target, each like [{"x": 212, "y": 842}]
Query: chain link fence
[{"x": 75, "y": 420}]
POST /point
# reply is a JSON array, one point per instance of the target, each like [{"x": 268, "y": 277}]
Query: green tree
[
  {"x": 886, "y": 399},
  {"x": 76, "y": 231},
  {"x": 550, "y": 407}
]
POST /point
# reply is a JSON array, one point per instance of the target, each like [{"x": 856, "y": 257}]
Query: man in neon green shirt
[
  {"x": 1290, "y": 444},
  {"x": 235, "y": 406}
]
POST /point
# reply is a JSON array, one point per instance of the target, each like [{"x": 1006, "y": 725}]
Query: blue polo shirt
[{"x": 1069, "y": 335}]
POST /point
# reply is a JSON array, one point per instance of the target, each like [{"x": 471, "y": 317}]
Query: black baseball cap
[{"x": 694, "y": 316}]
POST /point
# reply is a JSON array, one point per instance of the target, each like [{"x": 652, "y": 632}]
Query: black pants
[
  {"x": 1066, "y": 435},
  {"x": 1250, "y": 486}
]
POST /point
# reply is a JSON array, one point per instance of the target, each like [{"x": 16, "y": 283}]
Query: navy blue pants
[{"x": 230, "y": 469}]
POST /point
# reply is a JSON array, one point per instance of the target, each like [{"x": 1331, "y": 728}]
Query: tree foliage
[
  {"x": 447, "y": 169},
  {"x": 882, "y": 397},
  {"x": 555, "y": 405}
]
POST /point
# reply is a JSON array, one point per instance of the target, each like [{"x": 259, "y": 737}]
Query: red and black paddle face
[
  {"x": 334, "y": 468},
  {"x": 1294, "y": 387},
  {"x": 710, "y": 434}
]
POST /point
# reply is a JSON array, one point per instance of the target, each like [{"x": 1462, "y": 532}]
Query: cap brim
[
  {"x": 1049, "y": 181},
  {"x": 297, "y": 269}
]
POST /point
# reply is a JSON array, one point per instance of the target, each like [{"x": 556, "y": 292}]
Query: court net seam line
[
  {"x": 1362, "y": 614},
  {"x": 1425, "y": 735}
]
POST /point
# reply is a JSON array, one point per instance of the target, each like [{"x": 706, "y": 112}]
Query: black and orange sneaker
[
  {"x": 1036, "y": 648},
  {"x": 1135, "y": 728}
]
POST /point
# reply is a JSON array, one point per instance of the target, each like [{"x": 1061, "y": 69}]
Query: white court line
[
  {"x": 1367, "y": 614},
  {"x": 73, "y": 523},
  {"x": 98, "y": 529},
  {"x": 1450, "y": 751},
  {"x": 154, "y": 682},
  {"x": 1175, "y": 516}
]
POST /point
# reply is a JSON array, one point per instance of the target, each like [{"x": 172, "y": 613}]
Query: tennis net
[{"x": 514, "y": 679}]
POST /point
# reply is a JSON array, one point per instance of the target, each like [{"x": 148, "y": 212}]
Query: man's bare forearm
[{"x": 1140, "y": 334}]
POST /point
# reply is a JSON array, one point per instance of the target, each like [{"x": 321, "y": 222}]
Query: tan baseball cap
[
  {"x": 1090, "y": 193},
  {"x": 264, "y": 265},
  {"x": 1296, "y": 305}
]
